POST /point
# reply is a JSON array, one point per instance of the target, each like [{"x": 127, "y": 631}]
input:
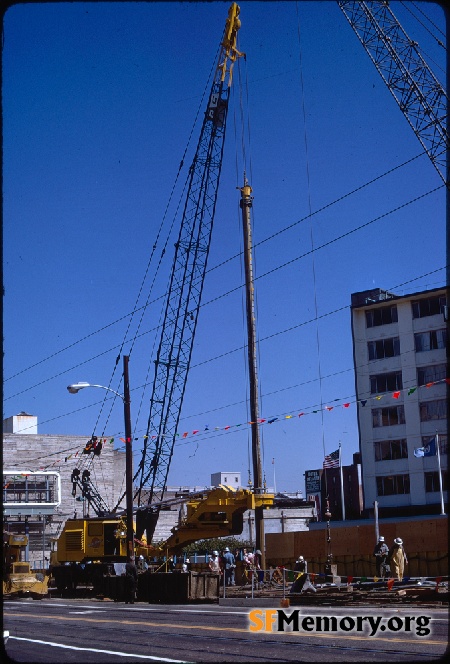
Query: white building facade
[{"x": 400, "y": 358}]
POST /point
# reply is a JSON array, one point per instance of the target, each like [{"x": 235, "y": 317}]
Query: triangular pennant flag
[
  {"x": 227, "y": 427},
  {"x": 300, "y": 414},
  {"x": 396, "y": 395},
  {"x": 185, "y": 434},
  {"x": 363, "y": 402},
  {"x": 375, "y": 578},
  {"x": 329, "y": 407},
  {"x": 412, "y": 390},
  {"x": 195, "y": 431},
  {"x": 349, "y": 579},
  {"x": 274, "y": 419},
  {"x": 429, "y": 384},
  {"x": 288, "y": 417},
  {"x": 390, "y": 583},
  {"x": 345, "y": 405}
]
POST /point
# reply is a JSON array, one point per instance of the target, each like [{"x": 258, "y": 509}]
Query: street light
[{"x": 74, "y": 389}]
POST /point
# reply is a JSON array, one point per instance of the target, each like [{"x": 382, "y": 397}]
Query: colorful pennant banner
[{"x": 262, "y": 421}]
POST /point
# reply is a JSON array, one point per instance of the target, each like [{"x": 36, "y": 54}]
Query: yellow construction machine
[
  {"x": 18, "y": 578},
  {"x": 90, "y": 549}
]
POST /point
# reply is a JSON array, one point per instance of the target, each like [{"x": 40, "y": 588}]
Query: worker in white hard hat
[
  {"x": 381, "y": 552},
  {"x": 398, "y": 558},
  {"x": 301, "y": 565},
  {"x": 214, "y": 562},
  {"x": 229, "y": 565},
  {"x": 141, "y": 564}
]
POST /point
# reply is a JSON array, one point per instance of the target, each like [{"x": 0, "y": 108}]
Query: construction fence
[{"x": 425, "y": 542}]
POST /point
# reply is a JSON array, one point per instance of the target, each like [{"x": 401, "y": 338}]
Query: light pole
[{"x": 76, "y": 387}]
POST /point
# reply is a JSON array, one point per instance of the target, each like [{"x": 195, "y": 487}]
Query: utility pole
[
  {"x": 246, "y": 204},
  {"x": 128, "y": 461}
]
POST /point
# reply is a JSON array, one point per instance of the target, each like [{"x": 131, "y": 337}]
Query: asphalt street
[{"x": 85, "y": 631}]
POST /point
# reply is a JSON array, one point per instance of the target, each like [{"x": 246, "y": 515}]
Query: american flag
[{"x": 331, "y": 460}]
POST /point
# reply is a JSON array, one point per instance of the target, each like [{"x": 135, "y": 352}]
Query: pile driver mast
[
  {"x": 420, "y": 96},
  {"x": 185, "y": 289}
]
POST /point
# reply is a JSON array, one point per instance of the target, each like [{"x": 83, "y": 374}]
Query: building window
[
  {"x": 388, "y": 382},
  {"x": 386, "y": 417},
  {"x": 433, "y": 410},
  {"x": 381, "y": 316},
  {"x": 432, "y": 481},
  {"x": 392, "y": 485},
  {"x": 431, "y": 374},
  {"x": 384, "y": 348},
  {"x": 429, "y": 306},
  {"x": 391, "y": 450},
  {"x": 432, "y": 340}
]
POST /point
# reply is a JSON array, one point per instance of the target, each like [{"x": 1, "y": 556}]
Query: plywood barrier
[{"x": 425, "y": 541}]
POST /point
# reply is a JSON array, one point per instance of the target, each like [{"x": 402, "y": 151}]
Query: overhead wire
[
  {"x": 308, "y": 186},
  {"x": 215, "y": 267},
  {"x": 143, "y": 308},
  {"x": 276, "y": 268}
]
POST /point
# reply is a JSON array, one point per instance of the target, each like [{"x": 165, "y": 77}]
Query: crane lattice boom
[
  {"x": 185, "y": 288},
  {"x": 420, "y": 96}
]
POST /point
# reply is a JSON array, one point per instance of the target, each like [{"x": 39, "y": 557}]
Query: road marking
[
  {"x": 239, "y": 630},
  {"x": 107, "y": 652},
  {"x": 90, "y": 611}
]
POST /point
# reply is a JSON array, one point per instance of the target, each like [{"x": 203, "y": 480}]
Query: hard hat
[
  {"x": 301, "y": 558},
  {"x": 226, "y": 549},
  {"x": 215, "y": 553},
  {"x": 381, "y": 538},
  {"x": 141, "y": 557},
  {"x": 398, "y": 540},
  {"x": 258, "y": 552}
]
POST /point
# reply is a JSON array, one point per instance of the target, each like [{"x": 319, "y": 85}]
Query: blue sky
[{"x": 99, "y": 101}]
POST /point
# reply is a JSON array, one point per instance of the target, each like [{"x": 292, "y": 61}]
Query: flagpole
[
  {"x": 438, "y": 452},
  {"x": 274, "y": 483},
  {"x": 342, "y": 482}
]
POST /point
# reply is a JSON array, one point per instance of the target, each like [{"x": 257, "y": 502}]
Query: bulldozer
[{"x": 18, "y": 578}]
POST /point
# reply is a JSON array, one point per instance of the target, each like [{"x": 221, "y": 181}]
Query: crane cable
[
  {"x": 88, "y": 464},
  {"x": 308, "y": 180},
  {"x": 151, "y": 258}
]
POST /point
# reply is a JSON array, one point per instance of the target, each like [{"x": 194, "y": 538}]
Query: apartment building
[{"x": 401, "y": 376}]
